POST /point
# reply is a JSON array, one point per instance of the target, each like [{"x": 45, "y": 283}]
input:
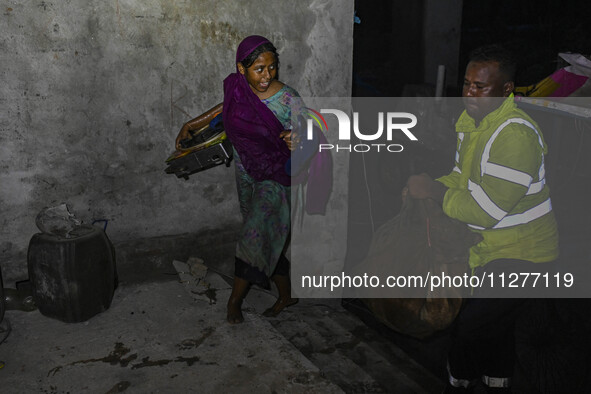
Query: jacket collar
[{"x": 466, "y": 123}]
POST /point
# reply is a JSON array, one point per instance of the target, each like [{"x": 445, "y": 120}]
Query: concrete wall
[
  {"x": 442, "y": 33},
  {"x": 93, "y": 94}
]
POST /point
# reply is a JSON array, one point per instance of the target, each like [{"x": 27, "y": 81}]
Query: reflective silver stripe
[
  {"x": 461, "y": 138},
  {"x": 486, "y": 153},
  {"x": 536, "y": 187},
  {"x": 508, "y": 174},
  {"x": 484, "y": 201},
  {"x": 496, "y": 382},
  {"x": 457, "y": 168},
  {"x": 457, "y": 382},
  {"x": 475, "y": 227},
  {"x": 525, "y": 217}
]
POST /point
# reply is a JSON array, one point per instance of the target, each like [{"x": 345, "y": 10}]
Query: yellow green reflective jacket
[{"x": 498, "y": 187}]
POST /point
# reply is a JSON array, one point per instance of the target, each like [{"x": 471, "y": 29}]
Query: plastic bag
[{"x": 58, "y": 221}]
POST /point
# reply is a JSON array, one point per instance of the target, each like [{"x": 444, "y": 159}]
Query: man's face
[{"x": 484, "y": 88}]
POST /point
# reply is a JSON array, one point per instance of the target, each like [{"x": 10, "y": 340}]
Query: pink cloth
[
  {"x": 319, "y": 186},
  {"x": 568, "y": 82}
]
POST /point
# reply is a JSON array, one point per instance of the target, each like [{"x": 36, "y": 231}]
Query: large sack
[{"x": 420, "y": 240}]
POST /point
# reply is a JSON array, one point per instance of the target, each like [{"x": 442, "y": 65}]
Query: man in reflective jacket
[{"x": 498, "y": 188}]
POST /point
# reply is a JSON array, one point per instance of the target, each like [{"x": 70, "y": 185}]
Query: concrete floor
[{"x": 165, "y": 335}]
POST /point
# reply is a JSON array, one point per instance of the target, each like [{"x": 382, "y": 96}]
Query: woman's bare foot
[
  {"x": 234, "y": 315},
  {"x": 239, "y": 291},
  {"x": 280, "y": 305}
]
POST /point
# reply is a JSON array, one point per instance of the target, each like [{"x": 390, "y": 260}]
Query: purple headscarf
[
  {"x": 252, "y": 128},
  {"x": 248, "y": 45}
]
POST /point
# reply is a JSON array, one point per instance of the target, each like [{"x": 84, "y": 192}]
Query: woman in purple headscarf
[{"x": 257, "y": 111}]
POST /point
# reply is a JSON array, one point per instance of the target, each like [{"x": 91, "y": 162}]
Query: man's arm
[{"x": 490, "y": 197}]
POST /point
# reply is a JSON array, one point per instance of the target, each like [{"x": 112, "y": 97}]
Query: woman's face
[{"x": 260, "y": 74}]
